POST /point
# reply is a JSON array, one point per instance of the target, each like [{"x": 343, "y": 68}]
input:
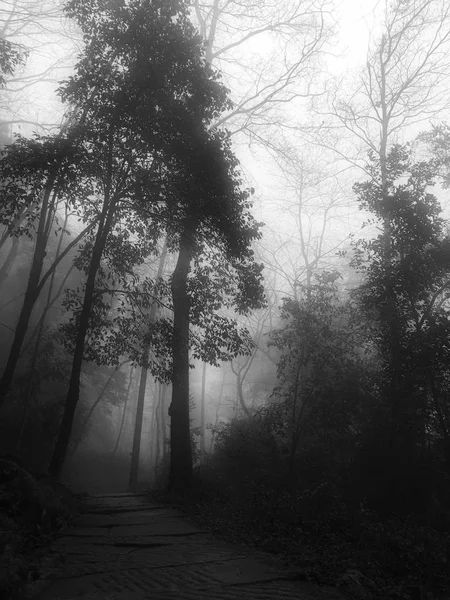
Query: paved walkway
[{"x": 123, "y": 547}]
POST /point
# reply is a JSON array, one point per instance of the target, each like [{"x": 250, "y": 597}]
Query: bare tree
[
  {"x": 404, "y": 82},
  {"x": 268, "y": 53},
  {"x": 50, "y": 42}
]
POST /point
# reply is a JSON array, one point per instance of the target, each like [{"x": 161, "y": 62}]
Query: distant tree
[
  {"x": 37, "y": 175},
  {"x": 404, "y": 81},
  {"x": 40, "y": 31},
  {"x": 316, "y": 401}
]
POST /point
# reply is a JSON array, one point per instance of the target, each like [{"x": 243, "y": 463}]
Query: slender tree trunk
[
  {"x": 159, "y": 416},
  {"x": 180, "y": 440},
  {"x": 9, "y": 260},
  {"x": 211, "y": 445},
  {"x": 396, "y": 392},
  {"x": 158, "y": 429},
  {"x": 202, "y": 414},
  {"x": 153, "y": 446},
  {"x": 122, "y": 421},
  {"x": 240, "y": 394},
  {"x": 108, "y": 211},
  {"x": 162, "y": 413},
  {"x": 73, "y": 394},
  {"x": 33, "y": 288},
  {"x": 48, "y": 306},
  {"x": 135, "y": 454},
  {"x": 94, "y": 406},
  {"x": 29, "y": 389}
]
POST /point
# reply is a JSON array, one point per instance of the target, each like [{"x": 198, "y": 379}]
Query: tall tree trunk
[
  {"x": 158, "y": 417},
  {"x": 397, "y": 397},
  {"x": 135, "y": 454},
  {"x": 33, "y": 287},
  {"x": 219, "y": 402},
  {"x": 29, "y": 389},
  {"x": 180, "y": 439},
  {"x": 73, "y": 394},
  {"x": 94, "y": 406},
  {"x": 162, "y": 412},
  {"x": 122, "y": 421},
  {"x": 48, "y": 306},
  {"x": 154, "y": 430},
  {"x": 202, "y": 414}
]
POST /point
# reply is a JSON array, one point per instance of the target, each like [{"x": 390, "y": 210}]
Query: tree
[
  {"x": 405, "y": 299},
  {"x": 403, "y": 82},
  {"x": 11, "y": 56},
  {"x": 262, "y": 81},
  {"x": 146, "y": 121},
  {"x": 36, "y": 175},
  {"x": 124, "y": 412},
  {"x": 221, "y": 213},
  {"x": 40, "y": 33},
  {"x": 319, "y": 374}
]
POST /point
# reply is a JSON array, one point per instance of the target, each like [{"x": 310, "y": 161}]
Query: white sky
[
  {"x": 355, "y": 18},
  {"x": 357, "y": 23}
]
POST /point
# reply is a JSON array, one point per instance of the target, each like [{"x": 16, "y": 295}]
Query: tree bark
[
  {"x": 159, "y": 415},
  {"x": 202, "y": 414},
  {"x": 122, "y": 422},
  {"x": 135, "y": 452},
  {"x": 73, "y": 394},
  {"x": 213, "y": 435},
  {"x": 33, "y": 288},
  {"x": 43, "y": 316},
  {"x": 162, "y": 413},
  {"x": 40, "y": 331},
  {"x": 180, "y": 439}
]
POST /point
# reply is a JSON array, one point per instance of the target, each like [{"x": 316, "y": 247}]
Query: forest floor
[{"x": 126, "y": 547}]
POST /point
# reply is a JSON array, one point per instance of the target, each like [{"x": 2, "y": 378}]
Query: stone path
[{"x": 123, "y": 547}]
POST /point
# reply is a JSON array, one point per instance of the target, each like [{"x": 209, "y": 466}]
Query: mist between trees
[{"x": 225, "y": 274}]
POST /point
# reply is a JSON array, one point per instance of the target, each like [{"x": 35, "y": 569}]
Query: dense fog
[{"x": 224, "y": 255}]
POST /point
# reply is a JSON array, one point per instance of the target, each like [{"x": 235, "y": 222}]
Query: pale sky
[{"x": 356, "y": 22}]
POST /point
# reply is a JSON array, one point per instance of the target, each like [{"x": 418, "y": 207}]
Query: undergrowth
[
  {"x": 244, "y": 494},
  {"x": 32, "y": 508}
]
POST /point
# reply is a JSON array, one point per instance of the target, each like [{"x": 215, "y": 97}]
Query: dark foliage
[
  {"x": 32, "y": 508},
  {"x": 345, "y": 472}
]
